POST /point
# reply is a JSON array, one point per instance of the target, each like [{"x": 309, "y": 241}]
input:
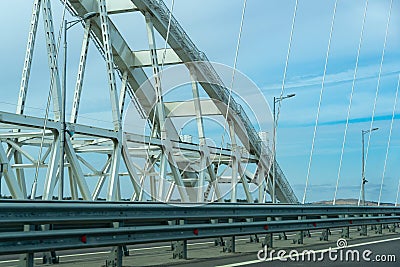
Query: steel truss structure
[{"x": 166, "y": 167}]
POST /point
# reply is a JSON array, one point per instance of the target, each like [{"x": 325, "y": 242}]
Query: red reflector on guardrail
[
  {"x": 315, "y": 224},
  {"x": 196, "y": 231},
  {"x": 266, "y": 227},
  {"x": 350, "y": 222},
  {"x": 84, "y": 239}
]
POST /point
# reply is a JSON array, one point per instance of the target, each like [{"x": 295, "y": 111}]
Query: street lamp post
[
  {"x": 67, "y": 26},
  {"x": 1, "y": 174},
  {"x": 363, "y": 180},
  {"x": 276, "y": 100}
]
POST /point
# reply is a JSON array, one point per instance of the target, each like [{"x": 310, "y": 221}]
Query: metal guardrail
[{"x": 79, "y": 224}]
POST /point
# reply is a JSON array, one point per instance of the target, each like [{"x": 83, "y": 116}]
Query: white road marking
[{"x": 317, "y": 251}]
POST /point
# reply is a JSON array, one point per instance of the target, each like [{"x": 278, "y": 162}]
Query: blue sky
[{"x": 213, "y": 26}]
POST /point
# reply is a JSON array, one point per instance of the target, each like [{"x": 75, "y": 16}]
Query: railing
[
  {"x": 78, "y": 224},
  {"x": 282, "y": 182}
]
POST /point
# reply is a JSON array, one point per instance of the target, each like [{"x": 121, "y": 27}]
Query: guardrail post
[
  {"x": 115, "y": 257},
  {"x": 373, "y": 226},
  {"x": 180, "y": 250},
  {"x": 229, "y": 245},
  {"x": 49, "y": 257},
  {"x": 299, "y": 239},
  {"x": 269, "y": 238},
  {"x": 217, "y": 241},
  {"x": 379, "y": 227},
  {"x": 253, "y": 238},
  {"x": 325, "y": 232},
  {"x": 26, "y": 260},
  {"x": 392, "y": 227},
  {"x": 281, "y": 236},
  {"x": 268, "y": 241},
  {"x": 345, "y": 230},
  {"x": 180, "y": 247},
  {"x": 364, "y": 231}
]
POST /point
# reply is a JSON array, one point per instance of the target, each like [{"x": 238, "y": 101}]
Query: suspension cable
[
  {"x": 397, "y": 195},
  {"x": 320, "y": 100},
  {"x": 275, "y": 120},
  {"x": 34, "y": 184},
  {"x": 377, "y": 91},
  {"x": 159, "y": 94},
  {"x": 388, "y": 143},
  {"x": 351, "y": 97},
  {"x": 287, "y": 61},
  {"x": 160, "y": 72},
  {"x": 232, "y": 80}
]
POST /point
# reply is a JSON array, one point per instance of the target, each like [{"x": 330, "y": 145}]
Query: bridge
[{"x": 59, "y": 169}]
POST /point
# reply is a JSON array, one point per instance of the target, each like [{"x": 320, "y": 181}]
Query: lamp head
[{"x": 89, "y": 15}]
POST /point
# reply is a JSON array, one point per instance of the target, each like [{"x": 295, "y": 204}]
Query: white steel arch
[{"x": 170, "y": 168}]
